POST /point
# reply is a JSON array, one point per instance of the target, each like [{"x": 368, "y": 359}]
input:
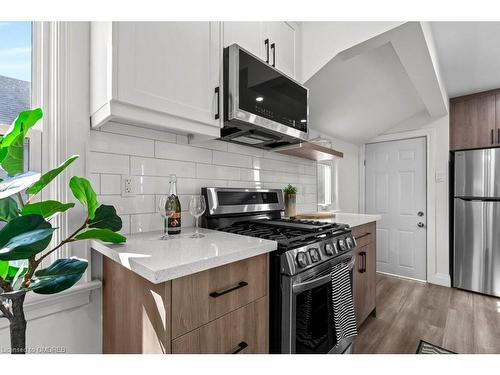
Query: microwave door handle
[
  {"x": 273, "y": 47},
  {"x": 266, "y": 43}
]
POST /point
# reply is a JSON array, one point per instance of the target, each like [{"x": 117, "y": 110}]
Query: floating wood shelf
[{"x": 312, "y": 151}]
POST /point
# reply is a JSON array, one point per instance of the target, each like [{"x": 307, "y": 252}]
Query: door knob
[
  {"x": 420, "y": 213},
  {"x": 421, "y": 225}
]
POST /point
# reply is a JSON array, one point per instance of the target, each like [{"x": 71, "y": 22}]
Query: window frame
[{"x": 333, "y": 205}]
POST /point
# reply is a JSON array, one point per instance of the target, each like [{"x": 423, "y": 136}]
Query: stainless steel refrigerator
[{"x": 476, "y": 257}]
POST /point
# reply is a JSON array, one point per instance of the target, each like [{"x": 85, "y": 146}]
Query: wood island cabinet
[
  {"x": 365, "y": 270},
  {"x": 220, "y": 310}
]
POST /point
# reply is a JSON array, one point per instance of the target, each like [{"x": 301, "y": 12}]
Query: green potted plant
[
  {"x": 290, "y": 200},
  {"x": 28, "y": 231}
]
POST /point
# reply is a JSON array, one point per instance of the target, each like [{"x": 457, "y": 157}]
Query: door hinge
[{"x": 364, "y": 163}]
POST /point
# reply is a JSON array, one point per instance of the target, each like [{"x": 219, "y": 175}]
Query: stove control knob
[
  {"x": 302, "y": 259},
  {"x": 314, "y": 254},
  {"x": 342, "y": 245},
  {"x": 350, "y": 242},
  {"x": 329, "y": 250}
]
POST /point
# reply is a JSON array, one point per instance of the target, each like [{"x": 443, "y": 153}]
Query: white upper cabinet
[
  {"x": 246, "y": 34},
  {"x": 158, "y": 74},
  {"x": 273, "y": 42},
  {"x": 282, "y": 37}
]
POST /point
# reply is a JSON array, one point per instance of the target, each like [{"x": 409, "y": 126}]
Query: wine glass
[
  {"x": 166, "y": 208},
  {"x": 196, "y": 208}
]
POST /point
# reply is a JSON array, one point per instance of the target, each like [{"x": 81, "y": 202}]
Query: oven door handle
[{"x": 310, "y": 284}]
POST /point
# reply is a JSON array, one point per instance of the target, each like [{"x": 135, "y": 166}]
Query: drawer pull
[
  {"x": 363, "y": 235},
  {"x": 242, "y": 345},
  {"x": 241, "y": 284}
]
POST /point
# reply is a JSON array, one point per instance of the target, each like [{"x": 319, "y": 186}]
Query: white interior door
[{"x": 396, "y": 190}]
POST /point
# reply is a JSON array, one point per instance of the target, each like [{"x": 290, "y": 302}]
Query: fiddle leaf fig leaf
[
  {"x": 105, "y": 235},
  {"x": 82, "y": 190},
  {"x": 13, "y": 161},
  {"x": 12, "y": 143},
  {"x": 59, "y": 276},
  {"x": 8, "y": 209},
  {"x": 26, "y": 245},
  {"x": 106, "y": 218},
  {"x": 49, "y": 176},
  {"x": 11, "y": 186},
  {"x": 4, "y": 269},
  {"x": 24, "y": 236},
  {"x": 23, "y": 122},
  {"x": 46, "y": 208}
]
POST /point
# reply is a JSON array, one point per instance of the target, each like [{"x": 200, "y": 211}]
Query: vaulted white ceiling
[
  {"x": 371, "y": 87},
  {"x": 469, "y": 55}
]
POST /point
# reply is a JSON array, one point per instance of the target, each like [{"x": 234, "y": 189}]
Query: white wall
[
  {"x": 77, "y": 330},
  {"x": 348, "y": 172},
  {"x": 321, "y": 41}
]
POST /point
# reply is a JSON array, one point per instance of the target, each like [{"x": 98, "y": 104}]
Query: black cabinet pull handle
[
  {"x": 217, "y": 92},
  {"x": 273, "y": 47},
  {"x": 363, "y": 235},
  {"x": 492, "y": 137},
  {"x": 498, "y": 135},
  {"x": 363, "y": 262},
  {"x": 242, "y": 345},
  {"x": 266, "y": 43},
  {"x": 241, "y": 284}
]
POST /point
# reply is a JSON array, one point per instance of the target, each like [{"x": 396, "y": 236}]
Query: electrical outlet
[{"x": 128, "y": 188}]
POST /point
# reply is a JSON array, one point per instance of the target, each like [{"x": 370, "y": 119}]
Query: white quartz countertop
[
  {"x": 353, "y": 220},
  {"x": 159, "y": 261}
]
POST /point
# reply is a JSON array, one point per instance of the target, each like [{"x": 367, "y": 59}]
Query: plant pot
[{"x": 290, "y": 205}]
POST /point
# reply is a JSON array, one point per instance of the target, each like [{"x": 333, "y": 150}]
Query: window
[
  {"x": 327, "y": 185},
  {"x": 15, "y": 75}
]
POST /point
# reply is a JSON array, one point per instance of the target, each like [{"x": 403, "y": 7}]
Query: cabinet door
[
  {"x": 282, "y": 34},
  {"x": 246, "y": 34},
  {"x": 242, "y": 331},
  {"x": 170, "y": 67},
  {"x": 472, "y": 123}
]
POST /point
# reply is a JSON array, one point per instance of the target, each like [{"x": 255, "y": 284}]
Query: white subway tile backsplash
[
  {"x": 120, "y": 144},
  {"x": 238, "y": 149},
  {"x": 217, "y": 172},
  {"x": 145, "y": 222},
  {"x": 108, "y": 163},
  {"x": 130, "y": 205},
  {"x": 171, "y": 151},
  {"x": 125, "y": 224},
  {"x": 212, "y": 145},
  {"x": 111, "y": 184},
  {"x": 230, "y": 159},
  {"x": 136, "y": 131},
  {"x": 160, "y": 167},
  {"x": 150, "y": 156}
]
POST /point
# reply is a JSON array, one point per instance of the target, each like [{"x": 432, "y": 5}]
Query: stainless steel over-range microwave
[{"x": 262, "y": 106}]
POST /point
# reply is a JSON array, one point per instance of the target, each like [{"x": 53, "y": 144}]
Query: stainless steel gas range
[{"x": 301, "y": 317}]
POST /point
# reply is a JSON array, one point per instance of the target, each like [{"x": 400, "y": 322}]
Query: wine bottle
[{"x": 174, "y": 221}]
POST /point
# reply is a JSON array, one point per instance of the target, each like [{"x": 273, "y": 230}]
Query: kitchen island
[{"x": 185, "y": 295}]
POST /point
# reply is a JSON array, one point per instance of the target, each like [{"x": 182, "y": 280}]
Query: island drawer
[
  {"x": 243, "y": 331},
  {"x": 205, "y": 296},
  {"x": 364, "y": 234}
]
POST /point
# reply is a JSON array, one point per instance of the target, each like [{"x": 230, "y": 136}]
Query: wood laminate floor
[{"x": 409, "y": 311}]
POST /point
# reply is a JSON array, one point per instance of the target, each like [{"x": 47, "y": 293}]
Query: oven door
[{"x": 307, "y": 315}]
